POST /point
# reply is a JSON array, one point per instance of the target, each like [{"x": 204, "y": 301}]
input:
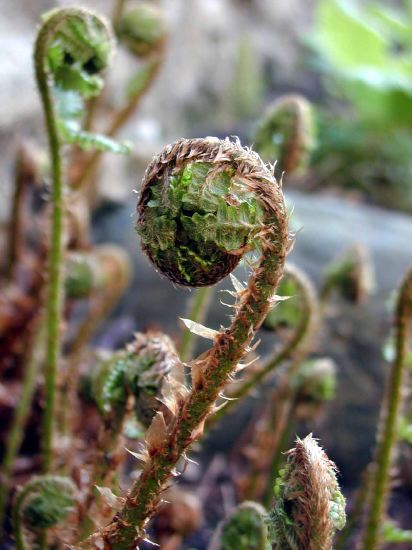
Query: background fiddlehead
[
  {"x": 309, "y": 505},
  {"x": 137, "y": 379},
  {"x": 246, "y": 528},
  {"x": 287, "y": 134},
  {"x": 42, "y": 503}
]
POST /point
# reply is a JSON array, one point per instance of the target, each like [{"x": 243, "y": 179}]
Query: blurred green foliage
[{"x": 364, "y": 53}]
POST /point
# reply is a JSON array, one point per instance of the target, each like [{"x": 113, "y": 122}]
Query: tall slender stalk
[
  {"x": 97, "y": 46},
  {"x": 55, "y": 289},
  {"x": 391, "y": 409}
]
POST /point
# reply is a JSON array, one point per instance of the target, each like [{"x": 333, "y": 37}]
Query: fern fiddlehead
[
  {"x": 309, "y": 506},
  {"x": 351, "y": 275},
  {"x": 136, "y": 378},
  {"x": 142, "y": 30},
  {"x": 40, "y": 504},
  {"x": 202, "y": 201},
  {"x": 246, "y": 528},
  {"x": 71, "y": 48},
  {"x": 287, "y": 134}
]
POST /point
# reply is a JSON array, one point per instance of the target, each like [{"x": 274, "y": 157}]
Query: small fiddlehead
[
  {"x": 70, "y": 50},
  {"x": 137, "y": 378},
  {"x": 287, "y": 134},
  {"x": 140, "y": 372},
  {"x": 246, "y": 528},
  {"x": 82, "y": 275},
  {"x": 309, "y": 506},
  {"x": 351, "y": 276},
  {"x": 141, "y": 29},
  {"x": 42, "y": 503},
  {"x": 389, "y": 418},
  {"x": 93, "y": 272},
  {"x": 313, "y": 384},
  {"x": 223, "y": 201}
]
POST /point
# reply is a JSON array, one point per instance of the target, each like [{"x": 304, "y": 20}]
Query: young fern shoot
[
  {"x": 40, "y": 504},
  {"x": 72, "y": 47},
  {"x": 204, "y": 202},
  {"x": 309, "y": 506},
  {"x": 246, "y": 528},
  {"x": 287, "y": 134},
  {"x": 142, "y": 30}
]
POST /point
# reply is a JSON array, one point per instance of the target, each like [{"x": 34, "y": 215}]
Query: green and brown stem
[
  {"x": 390, "y": 413},
  {"x": 55, "y": 280},
  {"x": 296, "y": 348},
  {"x": 53, "y": 29},
  {"x": 168, "y": 440}
]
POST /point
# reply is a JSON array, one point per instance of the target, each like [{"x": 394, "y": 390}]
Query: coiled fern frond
[
  {"x": 309, "y": 506},
  {"x": 42, "y": 503}
]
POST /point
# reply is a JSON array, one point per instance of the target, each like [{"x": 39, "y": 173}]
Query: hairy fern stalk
[{"x": 206, "y": 178}]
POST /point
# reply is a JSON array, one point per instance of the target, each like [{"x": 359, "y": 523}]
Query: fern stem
[
  {"x": 118, "y": 11},
  {"x": 44, "y": 73},
  {"x": 55, "y": 290},
  {"x": 167, "y": 443},
  {"x": 390, "y": 411},
  {"x": 295, "y": 348},
  {"x": 197, "y": 312}
]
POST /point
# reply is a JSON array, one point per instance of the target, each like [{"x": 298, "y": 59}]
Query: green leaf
[
  {"x": 69, "y": 104},
  {"x": 345, "y": 37},
  {"x": 71, "y": 133}
]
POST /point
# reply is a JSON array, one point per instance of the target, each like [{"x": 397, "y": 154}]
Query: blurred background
[{"x": 226, "y": 62}]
